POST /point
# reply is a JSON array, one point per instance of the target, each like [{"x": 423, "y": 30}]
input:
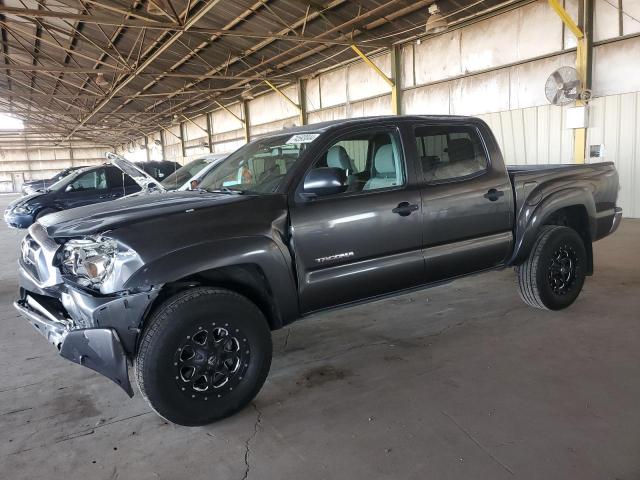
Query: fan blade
[
  {"x": 556, "y": 98},
  {"x": 558, "y": 79}
]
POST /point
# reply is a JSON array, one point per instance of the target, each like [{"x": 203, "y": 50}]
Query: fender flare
[
  {"x": 259, "y": 251},
  {"x": 531, "y": 218}
]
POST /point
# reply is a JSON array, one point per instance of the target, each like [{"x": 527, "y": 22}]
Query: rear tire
[
  {"x": 204, "y": 355},
  {"x": 553, "y": 275}
]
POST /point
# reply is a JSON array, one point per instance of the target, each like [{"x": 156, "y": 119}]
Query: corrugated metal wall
[
  {"x": 535, "y": 135},
  {"x": 614, "y": 121},
  {"x": 19, "y": 164}
]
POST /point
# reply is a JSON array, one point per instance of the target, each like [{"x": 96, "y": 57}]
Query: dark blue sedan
[{"x": 82, "y": 187}]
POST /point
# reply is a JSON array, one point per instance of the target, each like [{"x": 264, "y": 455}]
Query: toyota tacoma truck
[{"x": 186, "y": 286}]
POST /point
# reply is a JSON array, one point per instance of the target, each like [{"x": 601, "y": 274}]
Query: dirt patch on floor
[{"x": 321, "y": 375}]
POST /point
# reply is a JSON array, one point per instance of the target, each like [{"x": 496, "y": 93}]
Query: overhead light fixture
[
  {"x": 101, "y": 81},
  {"x": 246, "y": 93},
  {"x": 436, "y": 23}
]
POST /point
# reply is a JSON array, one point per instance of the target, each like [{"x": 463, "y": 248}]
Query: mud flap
[{"x": 100, "y": 350}]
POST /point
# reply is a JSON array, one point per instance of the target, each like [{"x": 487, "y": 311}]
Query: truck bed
[{"x": 534, "y": 182}]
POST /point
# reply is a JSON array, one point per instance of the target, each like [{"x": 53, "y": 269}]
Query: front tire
[
  {"x": 204, "y": 355},
  {"x": 553, "y": 275}
]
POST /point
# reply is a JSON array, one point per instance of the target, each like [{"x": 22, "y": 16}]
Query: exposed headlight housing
[
  {"x": 22, "y": 210},
  {"x": 100, "y": 263}
]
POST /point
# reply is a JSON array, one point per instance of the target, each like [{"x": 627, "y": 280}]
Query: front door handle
[
  {"x": 405, "y": 208},
  {"x": 494, "y": 194}
]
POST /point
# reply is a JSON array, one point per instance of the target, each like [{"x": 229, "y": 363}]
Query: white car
[{"x": 194, "y": 171}]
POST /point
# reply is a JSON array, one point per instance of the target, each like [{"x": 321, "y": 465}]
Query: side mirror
[
  {"x": 325, "y": 181},
  {"x": 69, "y": 188}
]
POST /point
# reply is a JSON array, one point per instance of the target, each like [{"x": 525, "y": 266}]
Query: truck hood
[
  {"x": 142, "y": 178},
  {"x": 101, "y": 217}
]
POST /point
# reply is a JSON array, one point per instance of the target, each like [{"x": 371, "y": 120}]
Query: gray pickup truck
[{"x": 186, "y": 286}]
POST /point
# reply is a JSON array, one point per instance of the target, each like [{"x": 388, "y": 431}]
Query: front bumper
[
  {"x": 99, "y": 349},
  {"x": 96, "y": 331}
]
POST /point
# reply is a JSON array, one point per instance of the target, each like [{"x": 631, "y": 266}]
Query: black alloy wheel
[
  {"x": 211, "y": 361},
  {"x": 562, "y": 269}
]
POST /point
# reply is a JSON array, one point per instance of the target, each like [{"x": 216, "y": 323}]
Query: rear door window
[{"x": 449, "y": 153}]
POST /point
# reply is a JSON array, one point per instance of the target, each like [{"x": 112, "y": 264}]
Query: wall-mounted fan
[{"x": 563, "y": 86}]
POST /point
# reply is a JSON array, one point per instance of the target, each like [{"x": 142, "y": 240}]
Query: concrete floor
[{"x": 460, "y": 381}]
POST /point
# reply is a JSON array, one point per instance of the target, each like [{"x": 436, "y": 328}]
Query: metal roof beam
[{"x": 190, "y": 22}]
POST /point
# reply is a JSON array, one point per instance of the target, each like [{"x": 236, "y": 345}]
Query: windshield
[
  {"x": 62, "y": 183},
  {"x": 180, "y": 176},
  {"x": 260, "y": 166}
]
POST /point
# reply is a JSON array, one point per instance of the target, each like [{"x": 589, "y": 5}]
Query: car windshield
[
  {"x": 260, "y": 166},
  {"x": 177, "y": 178},
  {"x": 64, "y": 181}
]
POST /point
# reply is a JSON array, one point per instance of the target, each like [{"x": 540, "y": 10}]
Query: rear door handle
[
  {"x": 494, "y": 194},
  {"x": 405, "y": 208}
]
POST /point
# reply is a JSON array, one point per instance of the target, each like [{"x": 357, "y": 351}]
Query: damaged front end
[{"x": 71, "y": 293}]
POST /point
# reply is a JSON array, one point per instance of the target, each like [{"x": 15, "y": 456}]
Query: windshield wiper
[{"x": 230, "y": 191}]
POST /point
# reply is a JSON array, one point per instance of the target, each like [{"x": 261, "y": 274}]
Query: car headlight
[
  {"x": 22, "y": 210},
  {"x": 100, "y": 263}
]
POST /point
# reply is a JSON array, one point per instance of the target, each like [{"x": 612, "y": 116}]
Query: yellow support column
[{"x": 579, "y": 134}]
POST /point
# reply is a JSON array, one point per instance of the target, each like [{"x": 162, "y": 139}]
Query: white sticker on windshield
[{"x": 303, "y": 138}]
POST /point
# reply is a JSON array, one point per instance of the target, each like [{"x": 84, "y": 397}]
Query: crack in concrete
[
  {"x": 478, "y": 444},
  {"x": 286, "y": 340},
  {"x": 79, "y": 433},
  {"x": 20, "y": 386},
  {"x": 16, "y": 411},
  {"x": 247, "y": 443}
]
